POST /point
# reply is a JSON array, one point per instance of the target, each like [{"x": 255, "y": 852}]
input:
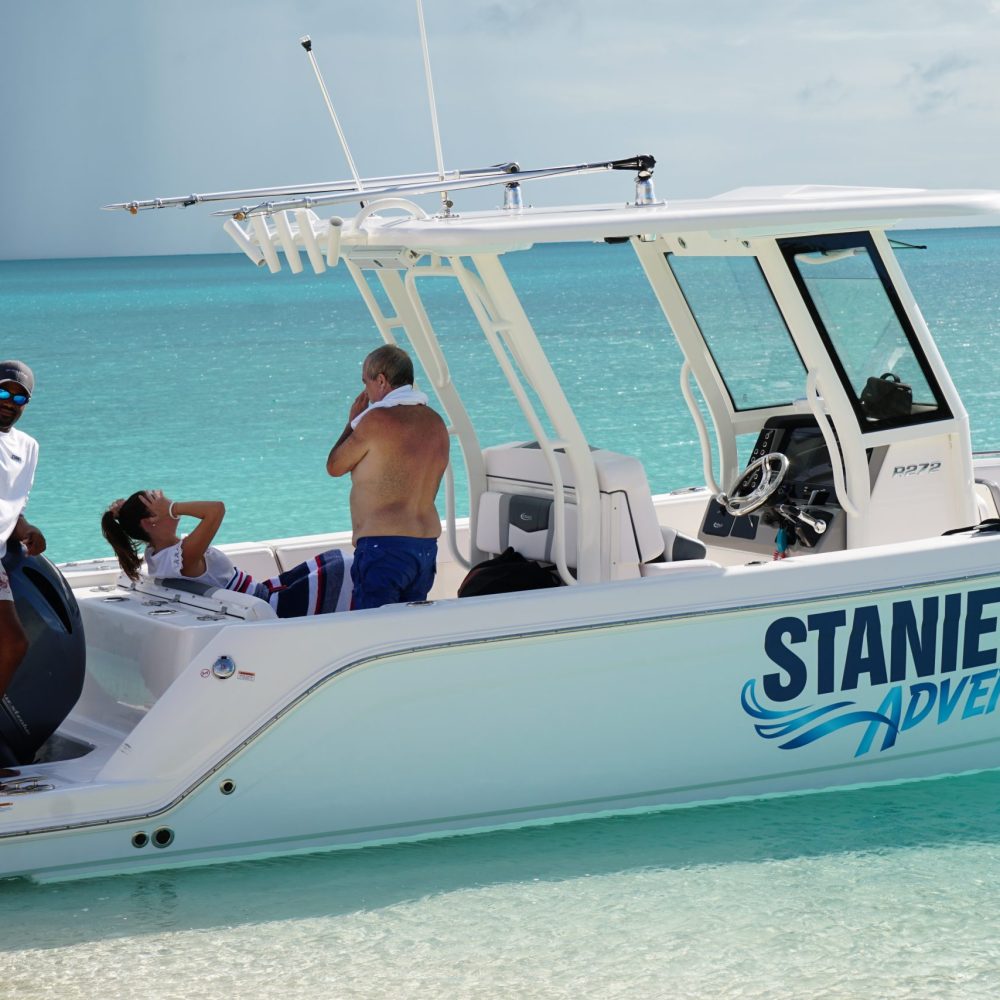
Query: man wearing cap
[{"x": 18, "y": 456}]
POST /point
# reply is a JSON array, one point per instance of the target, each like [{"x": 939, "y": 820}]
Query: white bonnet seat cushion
[{"x": 518, "y": 474}]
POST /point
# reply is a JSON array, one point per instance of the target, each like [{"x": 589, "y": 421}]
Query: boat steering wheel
[{"x": 756, "y": 484}]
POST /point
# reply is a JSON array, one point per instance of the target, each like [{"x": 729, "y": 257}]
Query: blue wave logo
[{"x": 804, "y": 725}]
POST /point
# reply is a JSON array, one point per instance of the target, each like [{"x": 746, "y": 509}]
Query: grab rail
[
  {"x": 402, "y": 203},
  {"x": 814, "y": 399},
  {"x": 699, "y": 424}
]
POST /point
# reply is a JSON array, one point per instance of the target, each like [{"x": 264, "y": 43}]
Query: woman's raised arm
[{"x": 193, "y": 547}]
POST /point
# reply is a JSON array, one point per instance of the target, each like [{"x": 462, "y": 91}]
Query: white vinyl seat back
[
  {"x": 257, "y": 559},
  {"x": 525, "y": 523},
  {"x": 518, "y": 509}
]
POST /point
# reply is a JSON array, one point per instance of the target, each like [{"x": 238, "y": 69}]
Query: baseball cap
[{"x": 18, "y": 371}]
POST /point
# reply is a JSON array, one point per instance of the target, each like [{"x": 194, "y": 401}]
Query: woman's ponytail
[
  {"x": 125, "y": 549},
  {"x": 120, "y": 526}
]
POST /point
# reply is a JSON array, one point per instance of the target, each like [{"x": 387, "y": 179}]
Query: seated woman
[{"x": 311, "y": 588}]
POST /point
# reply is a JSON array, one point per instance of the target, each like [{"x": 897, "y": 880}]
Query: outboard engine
[{"x": 50, "y": 678}]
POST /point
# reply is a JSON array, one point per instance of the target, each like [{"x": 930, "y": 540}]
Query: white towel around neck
[{"x": 404, "y": 395}]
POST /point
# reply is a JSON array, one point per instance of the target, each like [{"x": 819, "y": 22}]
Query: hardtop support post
[{"x": 536, "y": 368}]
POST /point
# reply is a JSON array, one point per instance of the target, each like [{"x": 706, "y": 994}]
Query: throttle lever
[{"x": 794, "y": 514}]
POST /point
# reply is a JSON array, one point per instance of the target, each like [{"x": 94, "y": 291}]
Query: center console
[{"x": 805, "y": 503}]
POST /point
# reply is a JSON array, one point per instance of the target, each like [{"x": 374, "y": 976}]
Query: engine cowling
[{"x": 50, "y": 678}]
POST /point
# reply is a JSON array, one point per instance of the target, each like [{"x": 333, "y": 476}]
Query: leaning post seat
[{"x": 516, "y": 509}]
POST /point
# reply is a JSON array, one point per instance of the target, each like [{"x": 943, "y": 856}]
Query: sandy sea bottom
[{"x": 866, "y": 893}]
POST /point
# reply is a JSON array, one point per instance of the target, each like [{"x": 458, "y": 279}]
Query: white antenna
[
  {"x": 306, "y": 42},
  {"x": 431, "y": 101}
]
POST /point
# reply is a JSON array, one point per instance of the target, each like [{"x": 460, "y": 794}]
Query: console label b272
[{"x": 916, "y": 470}]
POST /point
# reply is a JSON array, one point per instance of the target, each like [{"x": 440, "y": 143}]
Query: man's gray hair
[{"x": 393, "y": 362}]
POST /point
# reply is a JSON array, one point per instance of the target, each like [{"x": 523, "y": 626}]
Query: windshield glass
[
  {"x": 862, "y": 321},
  {"x": 745, "y": 333}
]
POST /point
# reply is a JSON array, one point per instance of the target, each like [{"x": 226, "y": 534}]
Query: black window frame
[{"x": 790, "y": 247}]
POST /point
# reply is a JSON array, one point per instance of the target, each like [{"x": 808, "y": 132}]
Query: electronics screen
[{"x": 808, "y": 458}]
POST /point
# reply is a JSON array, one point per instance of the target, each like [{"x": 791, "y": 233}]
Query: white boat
[{"x": 680, "y": 663}]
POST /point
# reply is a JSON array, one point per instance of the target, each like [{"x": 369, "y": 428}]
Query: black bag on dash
[
  {"x": 505, "y": 574},
  {"x": 886, "y": 397}
]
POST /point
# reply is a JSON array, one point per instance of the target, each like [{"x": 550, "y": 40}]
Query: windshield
[
  {"x": 863, "y": 324},
  {"x": 745, "y": 333}
]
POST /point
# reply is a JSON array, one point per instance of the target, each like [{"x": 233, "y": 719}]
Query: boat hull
[{"x": 418, "y": 721}]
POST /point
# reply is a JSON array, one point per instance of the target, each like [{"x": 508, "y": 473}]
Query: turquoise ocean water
[{"x": 208, "y": 378}]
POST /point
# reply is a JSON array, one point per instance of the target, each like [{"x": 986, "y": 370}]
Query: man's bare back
[
  {"x": 395, "y": 481},
  {"x": 395, "y": 451}
]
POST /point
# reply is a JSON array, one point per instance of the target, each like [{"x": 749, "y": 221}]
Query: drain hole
[
  {"x": 140, "y": 839},
  {"x": 227, "y": 787},
  {"x": 163, "y": 837}
]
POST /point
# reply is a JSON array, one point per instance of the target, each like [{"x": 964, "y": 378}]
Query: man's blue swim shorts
[{"x": 392, "y": 569}]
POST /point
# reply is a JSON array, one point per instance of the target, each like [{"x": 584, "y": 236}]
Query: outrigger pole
[
  {"x": 307, "y": 196},
  {"x": 446, "y": 204},
  {"x": 306, "y": 42},
  {"x": 317, "y": 187},
  {"x": 339, "y": 192}
]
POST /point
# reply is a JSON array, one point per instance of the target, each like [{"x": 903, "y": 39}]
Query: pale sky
[{"x": 110, "y": 100}]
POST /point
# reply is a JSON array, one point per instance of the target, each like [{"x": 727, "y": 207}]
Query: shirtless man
[
  {"x": 396, "y": 449},
  {"x": 18, "y": 455}
]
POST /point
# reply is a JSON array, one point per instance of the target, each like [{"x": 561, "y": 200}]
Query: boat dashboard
[{"x": 804, "y": 503}]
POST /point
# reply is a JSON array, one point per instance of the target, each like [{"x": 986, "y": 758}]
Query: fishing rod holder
[{"x": 288, "y": 232}]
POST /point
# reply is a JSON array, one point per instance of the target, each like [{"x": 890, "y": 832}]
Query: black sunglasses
[{"x": 18, "y": 399}]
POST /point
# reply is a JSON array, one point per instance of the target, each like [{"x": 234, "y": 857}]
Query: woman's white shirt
[{"x": 166, "y": 564}]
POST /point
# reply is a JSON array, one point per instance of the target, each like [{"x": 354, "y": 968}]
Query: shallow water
[
  {"x": 209, "y": 379},
  {"x": 867, "y": 893}
]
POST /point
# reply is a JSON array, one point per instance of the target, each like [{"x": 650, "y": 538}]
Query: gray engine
[{"x": 50, "y": 678}]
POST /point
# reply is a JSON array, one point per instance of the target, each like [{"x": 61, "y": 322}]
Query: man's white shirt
[{"x": 18, "y": 458}]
